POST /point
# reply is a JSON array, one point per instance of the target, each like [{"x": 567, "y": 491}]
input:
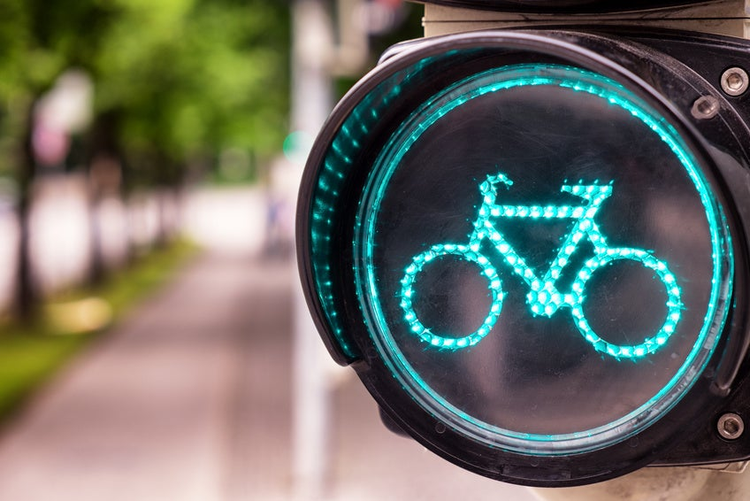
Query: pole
[{"x": 312, "y": 51}]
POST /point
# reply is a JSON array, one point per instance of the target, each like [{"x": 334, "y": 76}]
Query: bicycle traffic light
[{"x": 531, "y": 245}]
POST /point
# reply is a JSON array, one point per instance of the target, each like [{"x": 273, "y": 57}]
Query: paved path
[{"x": 190, "y": 399}]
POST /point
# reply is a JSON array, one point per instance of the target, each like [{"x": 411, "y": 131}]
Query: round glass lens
[{"x": 540, "y": 259}]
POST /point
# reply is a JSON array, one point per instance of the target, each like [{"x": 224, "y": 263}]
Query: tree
[
  {"x": 194, "y": 79},
  {"x": 39, "y": 39},
  {"x": 176, "y": 82}
]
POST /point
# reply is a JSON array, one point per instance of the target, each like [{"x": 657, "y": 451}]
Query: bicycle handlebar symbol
[{"x": 544, "y": 298}]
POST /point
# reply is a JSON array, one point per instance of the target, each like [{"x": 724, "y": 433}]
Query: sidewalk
[{"x": 190, "y": 399}]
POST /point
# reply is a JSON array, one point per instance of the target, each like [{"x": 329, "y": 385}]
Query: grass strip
[{"x": 31, "y": 354}]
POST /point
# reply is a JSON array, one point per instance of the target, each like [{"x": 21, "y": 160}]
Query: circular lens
[{"x": 540, "y": 259}]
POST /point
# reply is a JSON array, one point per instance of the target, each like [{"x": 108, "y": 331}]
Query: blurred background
[{"x": 153, "y": 340}]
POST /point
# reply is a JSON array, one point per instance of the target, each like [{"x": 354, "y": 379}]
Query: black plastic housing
[{"x": 677, "y": 68}]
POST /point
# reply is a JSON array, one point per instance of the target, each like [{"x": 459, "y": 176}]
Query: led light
[
  {"x": 550, "y": 299},
  {"x": 651, "y": 343},
  {"x": 449, "y": 341},
  {"x": 494, "y": 220}
]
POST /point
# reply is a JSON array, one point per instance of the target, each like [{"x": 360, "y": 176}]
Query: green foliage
[
  {"x": 191, "y": 78},
  {"x": 26, "y": 361},
  {"x": 178, "y": 80},
  {"x": 41, "y": 38}
]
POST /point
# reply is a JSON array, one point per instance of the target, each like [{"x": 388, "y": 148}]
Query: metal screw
[
  {"x": 731, "y": 426},
  {"x": 705, "y": 107},
  {"x": 735, "y": 81}
]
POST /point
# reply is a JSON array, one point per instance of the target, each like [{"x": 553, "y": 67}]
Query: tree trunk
[
  {"x": 105, "y": 173},
  {"x": 26, "y": 296}
]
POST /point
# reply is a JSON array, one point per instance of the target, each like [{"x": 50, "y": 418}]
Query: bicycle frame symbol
[{"x": 544, "y": 298}]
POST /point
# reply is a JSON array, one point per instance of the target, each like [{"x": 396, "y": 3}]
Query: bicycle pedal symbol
[{"x": 544, "y": 298}]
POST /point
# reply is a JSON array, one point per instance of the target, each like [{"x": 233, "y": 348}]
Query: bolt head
[
  {"x": 730, "y": 426},
  {"x": 705, "y": 107},
  {"x": 735, "y": 81}
]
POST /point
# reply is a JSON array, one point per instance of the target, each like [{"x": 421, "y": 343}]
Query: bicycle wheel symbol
[
  {"x": 575, "y": 300},
  {"x": 408, "y": 295},
  {"x": 544, "y": 298},
  {"x": 651, "y": 343}
]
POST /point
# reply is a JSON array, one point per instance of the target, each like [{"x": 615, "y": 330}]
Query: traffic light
[{"x": 531, "y": 244}]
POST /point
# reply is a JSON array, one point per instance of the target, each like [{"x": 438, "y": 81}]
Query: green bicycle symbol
[{"x": 544, "y": 298}]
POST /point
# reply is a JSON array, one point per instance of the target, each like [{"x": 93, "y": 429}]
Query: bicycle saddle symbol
[{"x": 544, "y": 298}]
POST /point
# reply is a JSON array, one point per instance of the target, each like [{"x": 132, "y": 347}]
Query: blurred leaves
[
  {"x": 175, "y": 83},
  {"x": 204, "y": 76},
  {"x": 176, "y": 79}
]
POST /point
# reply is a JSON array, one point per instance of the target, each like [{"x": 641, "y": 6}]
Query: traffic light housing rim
[{"x": 365, "y": 359}]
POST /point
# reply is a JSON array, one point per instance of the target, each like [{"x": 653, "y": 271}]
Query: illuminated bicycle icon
[{"x": 544, "y": 298}]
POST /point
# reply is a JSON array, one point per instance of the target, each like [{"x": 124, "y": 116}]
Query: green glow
[
  {"x": 408, "y": 294},
  {"x": 325, "y": 209},
  {"x": 576, "y": 80},
  {"x": 297, "y": 146},
  {"x": 544, "y": 298}
]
